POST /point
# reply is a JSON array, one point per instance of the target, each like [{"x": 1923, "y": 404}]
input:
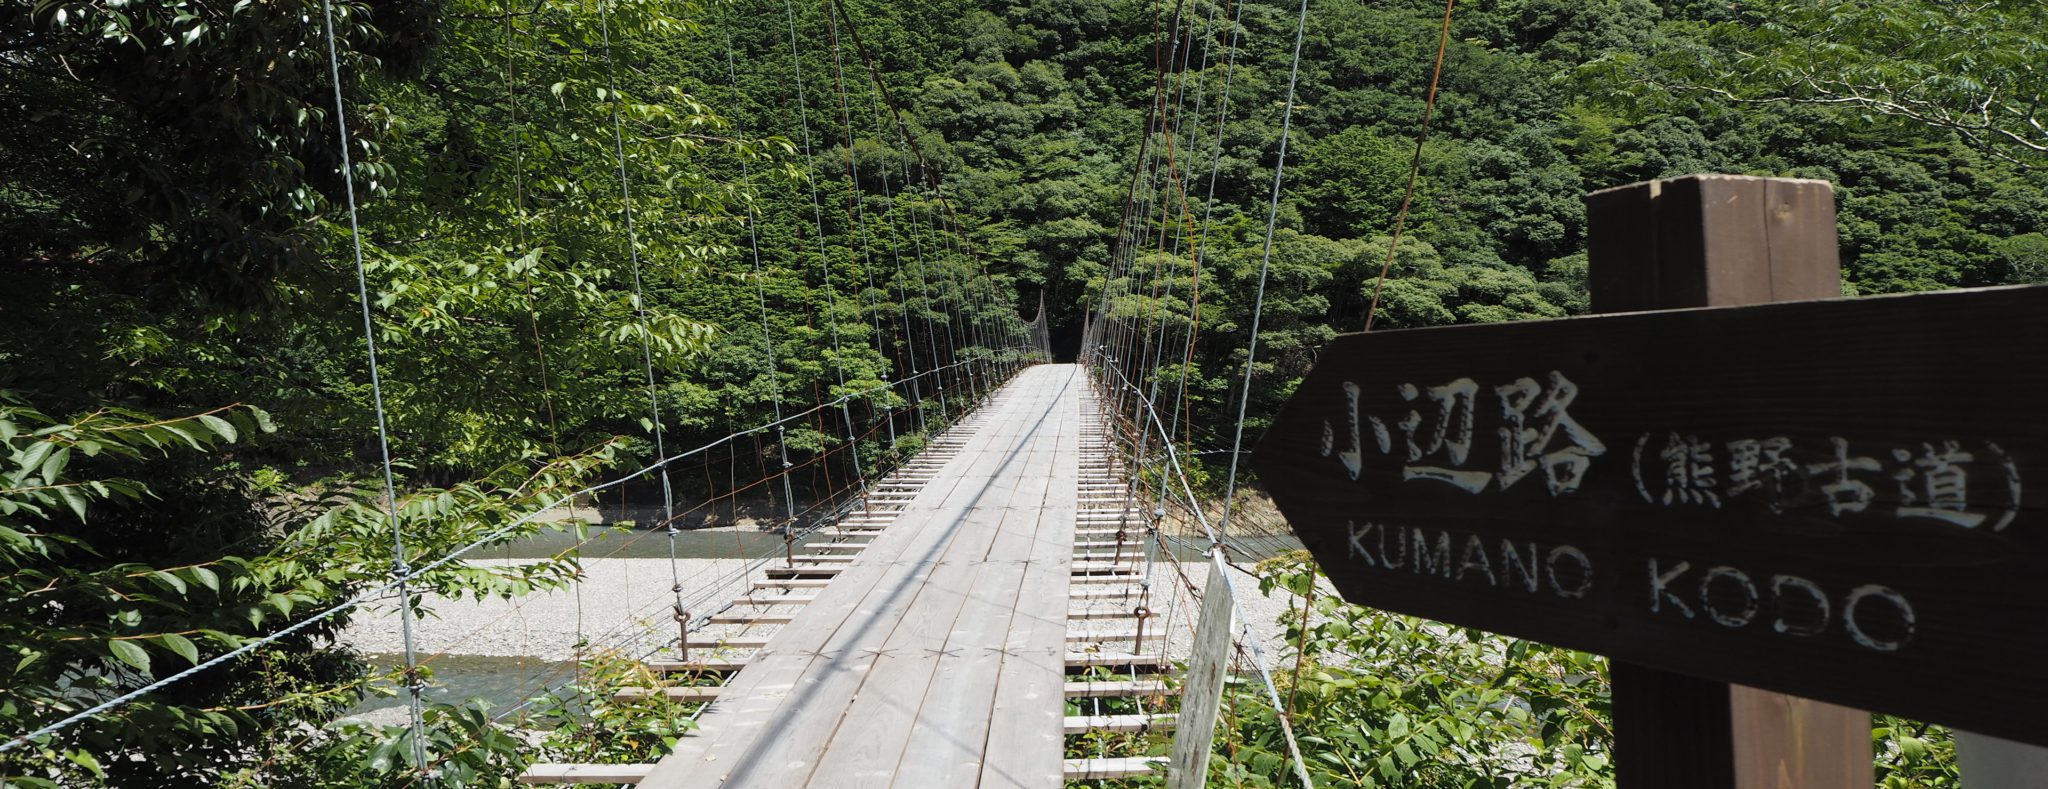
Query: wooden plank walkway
[{"x": 937, "y": 656}]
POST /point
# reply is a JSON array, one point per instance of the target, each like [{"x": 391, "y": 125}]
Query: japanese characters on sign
[
  {"x": 1538, "y": 437},
  {"x": 1687, "y": 490}
]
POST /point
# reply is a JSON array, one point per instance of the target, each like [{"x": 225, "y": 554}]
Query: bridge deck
[{"x": 936, "y": 657}]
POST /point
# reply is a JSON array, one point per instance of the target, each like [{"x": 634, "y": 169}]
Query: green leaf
[
  {"x": 130, "y": 653},
  {"x": 223, "y": 427},
  {"x": 85, "y": 759},
  {"x": 169, "y": 580},
  {"x": 181, "y": 645},
  {"x": 37, "y": 451},
  {"x": 206, "y": 578},
  {"x": 73, "y": 499}
]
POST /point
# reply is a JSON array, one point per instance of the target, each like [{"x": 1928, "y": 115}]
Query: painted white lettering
[
  {"x": 1761, "y": 465},
  {"x": 1468, "y": 481},
  {"x": 1511, "y": 560},
  {"x": 1427, "y": 562},
  {"x": 1857, "y": 630},
  {"x": 1358, "y": 550},
  {"x": 1531, "y": 425},
  {"x": 1585, "y": 571},
  {"x": 1943, "y": 492},
  {"x": 1780, "y": 586},
  {"x": 1742, "y": 582},
  {"x": 1660, "y": 588},
  {"x": 1845, "y": 494},
  {"x": 1473, "y": 547},
  {"x": 1353, "y": 458},
  {"x": 1389, "y": 560}
]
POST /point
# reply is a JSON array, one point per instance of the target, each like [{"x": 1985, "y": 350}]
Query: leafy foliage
[
  {"x": 1388, "y": 700},
  {"x": 172, "y": 238}
]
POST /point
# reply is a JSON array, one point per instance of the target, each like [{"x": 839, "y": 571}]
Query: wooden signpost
[
  {"x": 1201, "y": 694},
  {"x": 1839, "y": 500}
]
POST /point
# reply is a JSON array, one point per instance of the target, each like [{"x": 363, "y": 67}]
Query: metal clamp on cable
[{"x": 1138, "y": 640}]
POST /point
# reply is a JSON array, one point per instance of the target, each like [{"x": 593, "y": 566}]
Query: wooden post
[
  {"x": 1992, "y": 763},
  {"x": 1720, "y": 241},
  {"x": 1201, "y": 696}
]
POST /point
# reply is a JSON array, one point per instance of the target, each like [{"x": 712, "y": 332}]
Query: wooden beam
[
  {"x": 1081, "y": 724},
  {"x": 697, "y": 665},
  {"x": 1117, "y": 659},
  {"x": 751, "y": 619},
  {"x": 693, "y": 693},
  {"x": 1189, "y": 766},
  {"x": 1718, "y": 241},
  {"x": 793, "y": 583},
  {"x": 1993, "y": 763},
  {"x": 1113, "y": 767},
  {"x": 550, "y": 774},
  {"x": 1117, "y": 688},
  {"x": 774, "y": 600}
]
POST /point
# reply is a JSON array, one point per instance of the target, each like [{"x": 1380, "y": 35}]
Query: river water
[{"x": 505, "y": 681}]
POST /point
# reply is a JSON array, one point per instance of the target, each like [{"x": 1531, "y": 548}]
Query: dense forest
[{"x": 754, "y": 209}]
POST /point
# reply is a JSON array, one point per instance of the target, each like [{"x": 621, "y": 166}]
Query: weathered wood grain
[
  {"x": 902, "y": 654},
  {"x": 1850, "y": 584}
]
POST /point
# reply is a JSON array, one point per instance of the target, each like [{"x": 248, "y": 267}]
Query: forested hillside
[{"x": 754, "y": 209}]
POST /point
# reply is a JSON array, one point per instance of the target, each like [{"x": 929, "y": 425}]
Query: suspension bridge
[
  {"x": 938, "y": 634},
  {"x": 1005, "y": 607},
  {"x": 943, "y": 623}
]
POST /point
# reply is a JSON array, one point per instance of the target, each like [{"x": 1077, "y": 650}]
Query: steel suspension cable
[
  {"x": 1179, "y": 473},
  {"x": 857, "y": 213},
  {"x": 1443, "y": 44},
  {"x": 896, "y": 256},
  {"x": 415, "y": 572},
  {"x": 803, "y": 109},
  {"x": 399, "y": 568},
  {"x": 772, "y": 369},
  {"x": 668, "y": 506}
]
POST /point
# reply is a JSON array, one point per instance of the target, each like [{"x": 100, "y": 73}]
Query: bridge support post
[{"x": 1717, "y": 241}]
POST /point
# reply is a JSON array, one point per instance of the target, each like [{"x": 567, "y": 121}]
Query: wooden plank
[
  {"x": 1120, "y": 659},
  {"x": 891, "y": 698},
  {"x": 824, "y": 685},
  {"x": 1846, "y": 577},
  {"x": 1202, "y": 691},
  {"x": 1008, "y": 632},
  {"x": 765, "y": 690},
  {"x": 750, "y": 619},
  {"x": 1116, "y": 688},
  {"x": 1111, "y": 767},
  {"x": 774, "y": 600},
  {"x": 695, "y": 665},
  {"x": 688, "y": 693},
  {"x": 1097, "y": 614},
  {"x": 1706, "y": 242},
  {"x": 735, "y": 642},
  {"x": 1026, "y": 734},
  {"x": 542, "y": 774},
  {"x": 812, "y": 681},
  {"x": 1082, "y": 724},
  {"x": 949, "y": 739}
]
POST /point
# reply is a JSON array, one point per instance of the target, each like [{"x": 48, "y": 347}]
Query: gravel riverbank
[{"x": 627, "y": 604}]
